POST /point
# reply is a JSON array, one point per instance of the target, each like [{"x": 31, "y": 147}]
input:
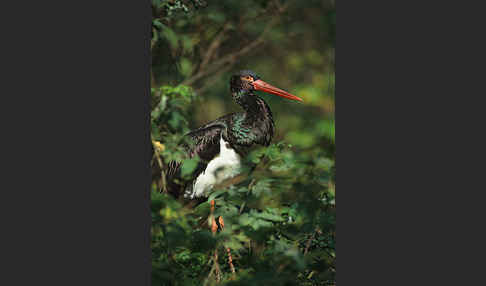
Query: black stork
[{"x": 220, "y": 144}]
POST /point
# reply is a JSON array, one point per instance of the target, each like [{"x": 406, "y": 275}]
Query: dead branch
[
  {"x": 215, "y": 270},
  {"x": 230, "y": 262},
  {"x": 163, "y": 182},
  {"x": 232, "y": 181},
  {"x": 311, "y": 237},
  {"x": 233, "y": 57},
  {"x": 308, "y": 244},
  {"x": 214, "y": 46}
]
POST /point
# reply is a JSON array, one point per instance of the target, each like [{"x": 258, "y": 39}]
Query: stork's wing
[{"x": 204, "y": 142}]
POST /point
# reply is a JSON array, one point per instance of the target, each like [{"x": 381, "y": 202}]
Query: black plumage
[{"x": 241, "y": 131}]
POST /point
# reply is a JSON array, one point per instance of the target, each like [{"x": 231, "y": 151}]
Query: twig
[
  {"x": 225, "y": 60},
  {"x": 209, "y": 275},
  {"x": 251, "y": 184},
  {"x": 216, "y": 269},
  {"x": 230, "y": 262},
  {"x": 163, "y": 186},
  {"x": 308, "y": 244},
  {"x": 249, "y": 190},
  {"x": 232, "y": 181}
]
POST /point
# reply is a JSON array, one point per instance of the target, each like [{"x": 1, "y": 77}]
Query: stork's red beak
[{"x": 268, "y": 88}]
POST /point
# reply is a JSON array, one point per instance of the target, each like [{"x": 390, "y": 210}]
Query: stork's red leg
[
  {"x": 221, "y": 222},
  {"x": 214, "y": 226},
  {"x": 214, "y": 229}
]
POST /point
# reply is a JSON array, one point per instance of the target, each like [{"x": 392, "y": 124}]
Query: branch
[
  {"x": 308, "y": 244},
  {"x": 214, "y": 269},
  {"x": 163, "y": 187},
  {"x": 311, "y": 237},
  {"x": 232, "y": 57},
  {"x": 213, "y": 46},
  {"x": 230, "y": 262},
  {"x": 228, "y": 59},
  {"x": 231, "y": 181},
  {"x": 211, "y": 81}
]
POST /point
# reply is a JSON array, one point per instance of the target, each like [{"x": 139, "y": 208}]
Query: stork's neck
[
  {"x": 257, "y": 115},
  {"x": 252, "y": 104}
]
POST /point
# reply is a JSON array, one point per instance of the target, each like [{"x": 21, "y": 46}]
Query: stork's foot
[
  {"x": 220, "y": 223},
  {"x": 217, "y": 224}
]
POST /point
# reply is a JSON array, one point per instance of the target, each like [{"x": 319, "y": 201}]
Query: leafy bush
[{"x": 279, "y": 219}]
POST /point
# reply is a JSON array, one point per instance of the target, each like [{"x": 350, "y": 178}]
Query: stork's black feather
[{"x": 242, "y": 131}]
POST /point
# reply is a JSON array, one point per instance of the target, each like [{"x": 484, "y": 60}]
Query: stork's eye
[{"x": 248, "y": 78}]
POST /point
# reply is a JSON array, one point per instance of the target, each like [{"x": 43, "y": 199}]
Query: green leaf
[
  {"x": 189, "y": 165},
  {"x": 170, "y": 36},
  {"x": 157, "y": 23},
  {"x": 218, "y": 17},
  {"x": 216, "y": 194},
  {"x": 270, "y": 217},
  {"x": 186, "y": 67},
  {"x": 176, "y": 119},
  {"x": 202, "y": 209},
  {"x": 261, "y": 187}
]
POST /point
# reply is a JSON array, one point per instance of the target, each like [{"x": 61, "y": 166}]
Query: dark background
[{"x": 75, "y": 159}]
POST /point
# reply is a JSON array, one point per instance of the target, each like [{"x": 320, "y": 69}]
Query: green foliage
[
  {"x": 281, "y": 209},
  {"x": 280, "y": 219},
  {"x": 169, "y": 121}
]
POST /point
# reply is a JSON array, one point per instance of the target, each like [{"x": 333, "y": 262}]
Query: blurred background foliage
[{"x": 280, "y": 218}]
